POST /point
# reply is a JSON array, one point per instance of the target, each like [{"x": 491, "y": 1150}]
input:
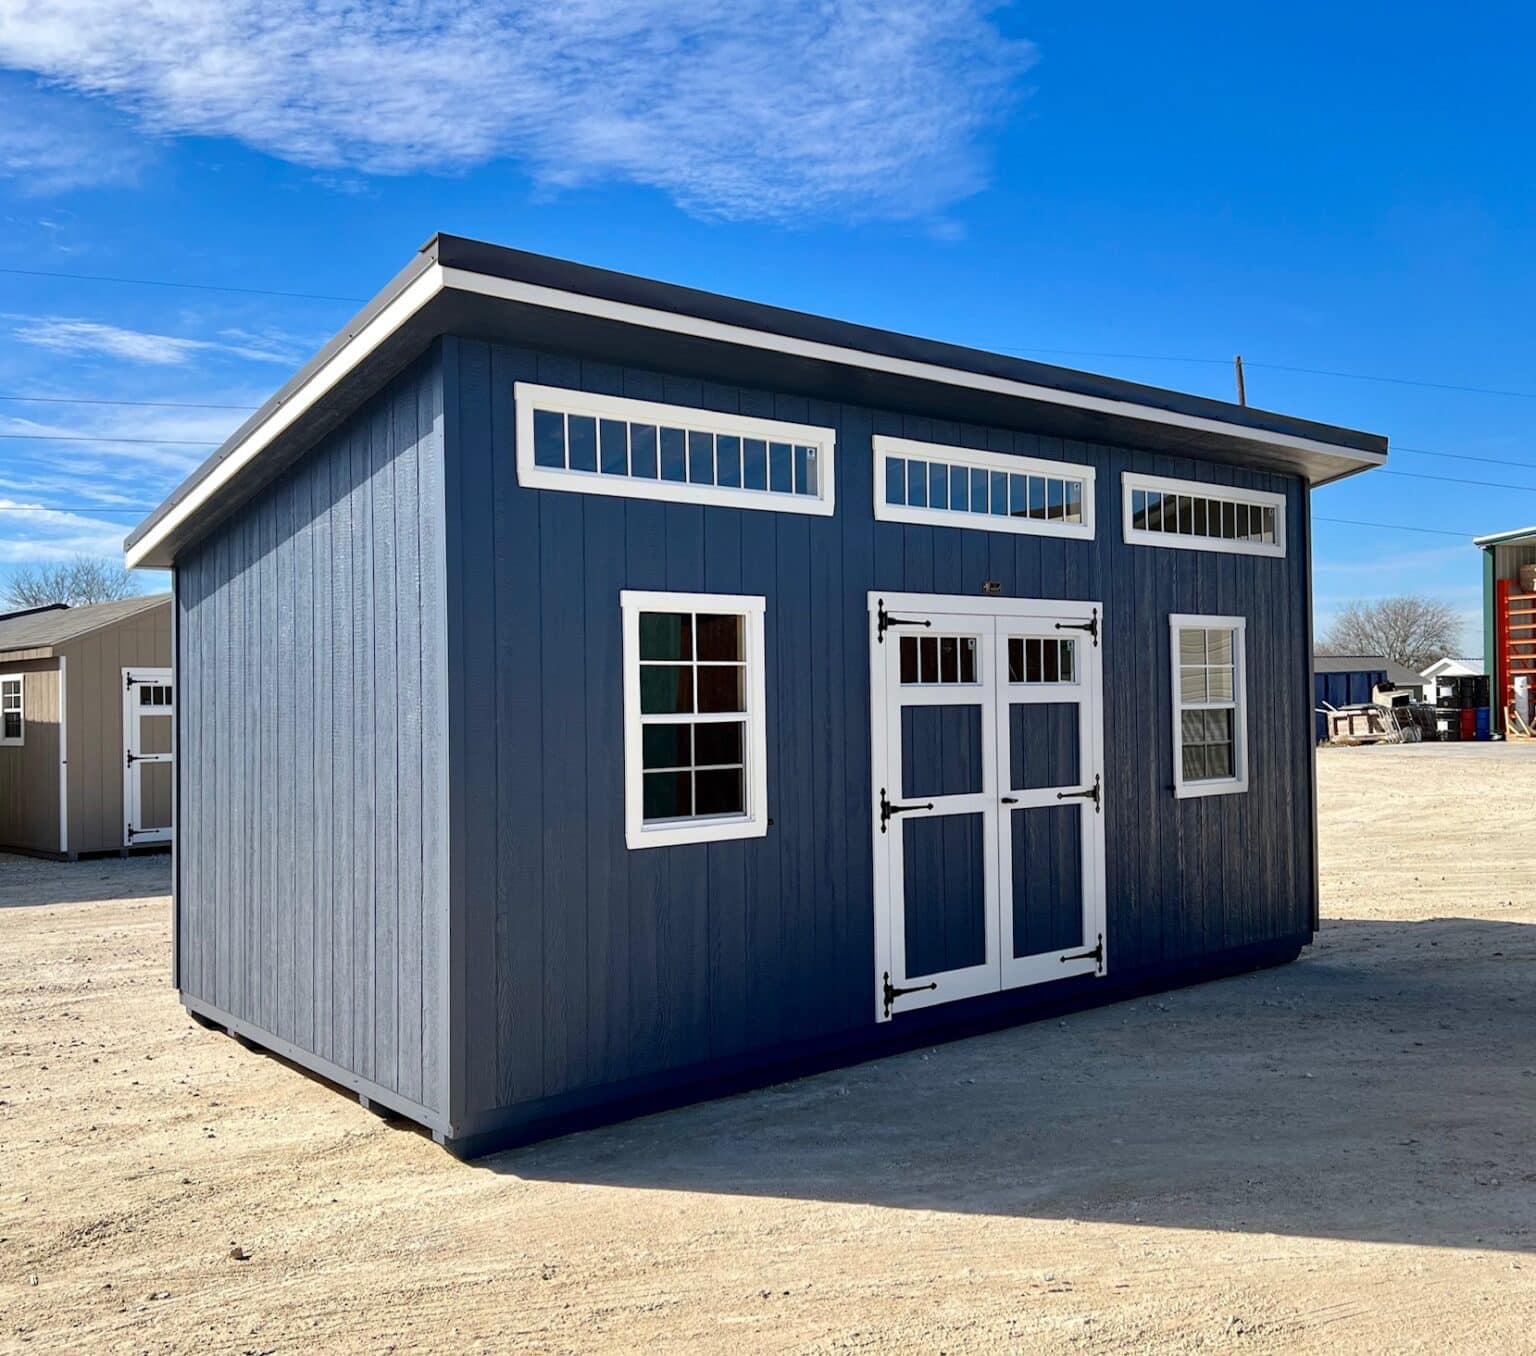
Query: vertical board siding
[
  {"x": 314, "y": 831},
  {"x": 29, "y": 771},
  {"x": 587, "y": 963}
]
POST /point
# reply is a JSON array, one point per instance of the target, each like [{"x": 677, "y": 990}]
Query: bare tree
[
  {"x": 1410, "y": 629},
  {"x": 85, "y": 579}
]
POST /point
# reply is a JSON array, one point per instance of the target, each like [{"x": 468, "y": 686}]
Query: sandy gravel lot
[{"x": 1338, "y": 1156}]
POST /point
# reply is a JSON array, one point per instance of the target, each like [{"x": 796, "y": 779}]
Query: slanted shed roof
[
  {"x": 1514, "y": 537},
  {"x": 458, "y": 286},
  {"x": 40, "y": 628},
  {"x": 1399, "y": 675}
]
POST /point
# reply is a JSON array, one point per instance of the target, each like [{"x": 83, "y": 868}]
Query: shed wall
[
  {"x": 94, "y": 674},
  {"x": 29, "y": 772},
  {"x": 312, "y": 900},
  {"x": 588, "y": 965}
]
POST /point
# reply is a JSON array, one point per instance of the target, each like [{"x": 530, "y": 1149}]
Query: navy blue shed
[{"x": 596, "y": 694}]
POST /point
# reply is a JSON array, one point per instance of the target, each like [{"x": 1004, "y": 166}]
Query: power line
[
  {"x": 95, "y": 400},
  {"x": 1396, "y": 527},
  {"x": 71, "y": 508},
  {"x": 1455, "y": 480},
  {"x": 196, "y": 287},
  {"x": 92, "y": 438},
  {"x": 1465, "y": 456}
]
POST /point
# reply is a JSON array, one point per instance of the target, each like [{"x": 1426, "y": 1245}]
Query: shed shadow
[
  {"x": 35, "y": 882},
  {"x": 1381, "y": 1088}
]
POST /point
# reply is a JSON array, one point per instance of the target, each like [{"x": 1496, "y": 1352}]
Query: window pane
[
  {"x": 928, "y": 659},
  {"x": 1221, "y": 685},
  {"x": 548, "y": 438},
  {"x": 1192, "y": 686},
  {"x": 895, "y": 480},
  {"x": 1191, "y": 646},
  {"x": 1218, "y": 647},
  {"x": 666, "y": 635},
  {"x": 718, "y": 743},
  {"x": 614, "y": 438},
  {"x": 722, "y": 689},
  {"x": 968, "y": 660},
  {"x": 1229, "y": 521},
  {"x": 1050, "y": 668},
  {"x": 780, "y": 468},
  {"x": 949, "y": 660},
  {"x": 665, "y": 746},
  {"x": 719, "y": 636},
  {"x": 938, "y": 485},
  {"x": 999, "y": 494},
  {"x": 1055, "y": 498},
  {"x": 1068, "y": 655},
  {"x": 642, "y": 450},
  {"x": 1201, "y": 506},
  {"x": 13, "y": 725},
  {"x": 1186, "y": 515},
  {"x": 674, "y": 454},
  {"x": 701, "y": 458},
  {"x": 728, "y": 460},
  {"x": 1036, "y": 497},
  {"x": 666, "y": 689},
  {"x": 1194, "y": 762},
  {"x": 978, "y": 491},
  {"x": 1018, "y": 496},
  {"x": 1269, "y": 525},
  {"x": 917, "y": 484},
  {"x": 1032, "y": 662},
  {"x": 754, "y": 455},
  {"x": 668, "y": 795},
  {"x": 803, "y": 473},
  {"x": 1074, "y": 501},
  {"x": 959, "y": 488},
  {"x": 1015, "y": 660},
  {"x": 720, "y": 793},
  {"x": 1218, "y": 761},
  {"x": 1218, "y": 726},
  {"x": 909, "y": 659},
  {"x": 582, "y": 431}
]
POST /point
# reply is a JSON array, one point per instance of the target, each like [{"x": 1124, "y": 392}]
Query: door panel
[
  {"x": 1047, "y": 870},
  {"x": 941, "y": 751},
  {"x": 154, "y": 799},
  {"x": 944, "y": 894},
  {"x": 1044, "y": 745}
]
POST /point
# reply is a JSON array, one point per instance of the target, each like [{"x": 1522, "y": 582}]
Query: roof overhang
[
  {"x": 1514, "y": 538},
  {"x": 474, "y": 290}
]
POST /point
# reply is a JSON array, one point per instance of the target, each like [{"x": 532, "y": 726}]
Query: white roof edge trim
[
  {"x": 626, "y": 312},
  {"x": 1500, "y": 538},
  {"x": 437, "y": 278},
  {"x": 415, "y": 295}
]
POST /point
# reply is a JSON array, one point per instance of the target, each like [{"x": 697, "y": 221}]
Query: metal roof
[
  {"x": 1399, "y": 674},
  {"x": 1511, "y": 538},
  {"x": 468, "y": 287},
  {"x": 40, "y": 628}
]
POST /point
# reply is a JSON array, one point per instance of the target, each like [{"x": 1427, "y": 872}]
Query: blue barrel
[{"x": 1483, "y": 725}]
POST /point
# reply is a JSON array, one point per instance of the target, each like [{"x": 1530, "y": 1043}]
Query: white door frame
[
  {"x": 133, "y": 679},
  {"x": 995, "y": 694}
]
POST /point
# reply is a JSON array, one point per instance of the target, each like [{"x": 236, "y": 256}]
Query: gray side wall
[
  {"x": 29, "y": 772},
  {"x": 94, "y": 721},
  {"x": 311, "y": 682},
  {"x": 588, "y": 966}
]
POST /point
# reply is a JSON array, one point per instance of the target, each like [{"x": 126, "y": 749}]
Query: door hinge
[
  {"x": 883, "y": 619},
  {"x": 892, "y": 993},
  {"x": 887, "y": 809},
  {"x": 1096, "y": 955},
  {"x": 131, "y": 832},
  {"x": 128, "y": 681},
  {"x": 1092, "y": 793},
  {"x": 1091, "y": 627},
  {"x": 132, "y": 758}
]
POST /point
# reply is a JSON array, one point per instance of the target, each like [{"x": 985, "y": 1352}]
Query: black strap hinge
[
  {"x": 892, "y": 993},
  {"x": 1091, "y": 627},
  {"x": 887, "y": 809},
  {"x": 1096, "y": 955},
  {"x": 883, "y": 619},
  {"x": 1092, "y": 793}
]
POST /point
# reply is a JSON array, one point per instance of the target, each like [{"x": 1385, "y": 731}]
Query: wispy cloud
[
  {"x": 30, "y": 533},
  {"x": 65, "y": 335},
  {"x": 52, "y": 143},
  {"x": 735, "y": 108}
]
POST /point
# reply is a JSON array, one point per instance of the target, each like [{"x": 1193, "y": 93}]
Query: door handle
[{"x": 1010, "y": 800}]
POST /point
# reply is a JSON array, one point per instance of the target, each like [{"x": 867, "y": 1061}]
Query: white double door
[{"x": 987, "y": 740}]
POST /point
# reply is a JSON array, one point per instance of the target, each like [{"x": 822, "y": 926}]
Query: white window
[
  {"x": 957, "y": 487},
  {"x": 1210, "y": 705},
  {"x": 599, "y": 444},
  {"x": 695, "y": 751},
  {"x": 1194, "y": 515},
  {"x": 12, "y": 724}
]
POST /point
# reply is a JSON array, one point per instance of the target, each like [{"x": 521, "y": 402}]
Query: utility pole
[{"x": 1242, "y": 389}]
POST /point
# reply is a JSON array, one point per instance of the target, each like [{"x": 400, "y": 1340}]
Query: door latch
[
  {"x": 1091, "y": 627},
  {"x": 1096, "y": 955},
  {"x": 1092, "y": 793},
  {"x": 892, "y": 993},
  {"x": 883, "y": 619},
  {"x": 887, "y": 809}
]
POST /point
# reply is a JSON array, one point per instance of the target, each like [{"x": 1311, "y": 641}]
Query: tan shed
[{"x": 86, "y": 727}]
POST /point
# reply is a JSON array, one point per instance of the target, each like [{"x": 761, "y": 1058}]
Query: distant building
[
  {"x": 1349, "y": 679},
  {"x": 1509, "y": 618}
]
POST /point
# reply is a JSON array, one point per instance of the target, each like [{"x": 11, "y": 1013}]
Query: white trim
[
  {"x": 1131, "y": 481},
  {"x": 752, "y": 824},
  {"x": 435, "y": 278},
  {"x": 1226, "y": 786},
  {"x": 975, "y": 459},
  {"x": 20, "y": 679},
  {"x": 527, "y": 397},
  {"x": 63, "y": 753},
  {"x": 133, "y": 679}
]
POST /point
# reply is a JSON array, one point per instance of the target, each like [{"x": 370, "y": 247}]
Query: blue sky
[{"x": 1132, "y": 189}]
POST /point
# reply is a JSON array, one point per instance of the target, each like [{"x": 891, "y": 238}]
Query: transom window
[
  {"x": 1195, "y": 515},
  {"x": 597, "y": 444},
  {"x": 1041, "y": 659},
  {"x": 694, "y": 738},
  {"x": 933, "y": 483},
  {"x": 12, "y": 727},
  {"x": 1210, "y": 739},
  {"x": 154, "y": 694},
  {"x": 934, "y": 661}
]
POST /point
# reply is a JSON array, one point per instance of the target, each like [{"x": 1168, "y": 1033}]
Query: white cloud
[
  {"x": 52, "y": 143},
  {"x": 30, "y": 533},
  {"x": 65, "y": 335},
  {"x": 735, "y": 108}
]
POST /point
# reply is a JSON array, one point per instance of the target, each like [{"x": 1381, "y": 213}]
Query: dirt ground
[{"x": 1339, "y": 1155}]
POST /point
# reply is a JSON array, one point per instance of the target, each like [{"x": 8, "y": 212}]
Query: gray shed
[{"x": 85, "y": 727}]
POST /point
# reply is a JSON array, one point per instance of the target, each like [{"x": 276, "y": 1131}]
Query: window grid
[
  {"x": 1041, "y": 659},
  {"x": 11, "y": 719},
  {"x": 1191, "y": 514},
  {"x": 1209, "y": 736},
  {"x": 938, "y": 661}
]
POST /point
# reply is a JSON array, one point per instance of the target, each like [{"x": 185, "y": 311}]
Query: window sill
[
  {"x": 702, "y": 831},
  {"x": 1192, "y": 790}
]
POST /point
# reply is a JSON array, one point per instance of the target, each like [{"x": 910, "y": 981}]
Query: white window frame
[
  {"x": 561, "y": 400},
  {"x": 1131, "y": 481},
  {"x": 907, "y": 448},
  {"x": 720, "y": 828},
  {"x": 1223, "y": 786},
  {"x": 20, "y": 680}
]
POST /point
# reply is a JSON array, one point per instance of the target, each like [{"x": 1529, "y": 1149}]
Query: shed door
[
  {"x": 147, "y": 752},
  {"x": 988, "y": 787}
]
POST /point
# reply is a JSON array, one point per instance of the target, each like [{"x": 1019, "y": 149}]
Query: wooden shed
[
  {"x": 85, "y": 727},
  {"x": 596, "y": 693}
]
